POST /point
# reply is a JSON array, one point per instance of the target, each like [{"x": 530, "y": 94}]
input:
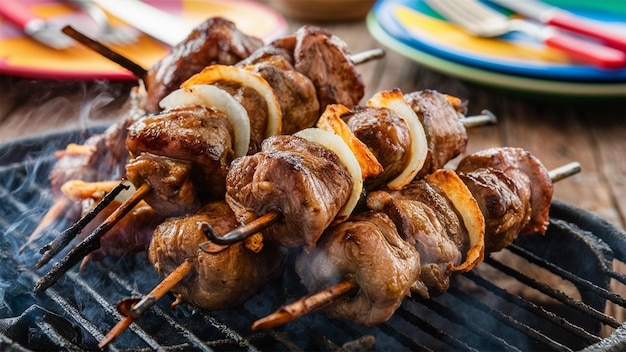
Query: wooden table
[{"x": 556, "y": 130}]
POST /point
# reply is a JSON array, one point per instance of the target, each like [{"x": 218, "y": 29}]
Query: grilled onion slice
[
  {"x": 394, "y": 101},
  {"x": 247, "y": 78},
  {"x": 335, "y": 143},
  {"x": 214, "y": 97},
  {"x": 466, "y": 205},
  {"x": 331, "y": 121}
]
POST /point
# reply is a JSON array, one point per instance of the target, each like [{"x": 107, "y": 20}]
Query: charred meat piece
[
  {"x": 527, "y": 172},
  {"x": 215, "y": 41},
  {"x": 499, "y": 200},
  {"x": 295, "y": 92},
  {"x": 325, "y": 60},
  {"x": 219, "y": 280},
  {"x": 426, "y": 219},
  {"x": 102, "y": 156},
  {"x": 386, "y": 135},
  {"x": 304, "y": 181},
  {"x": 196, "y": 141},
  {"x": 369, "y": 248},
  {"x": 447, "y": 137}
]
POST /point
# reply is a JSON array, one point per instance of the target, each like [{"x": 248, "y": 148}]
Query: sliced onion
[
  {"x": 394, "y": 101},
  {"x": 331, "y": 121},
  {"x": 473, "y": 218},
  {"x": 247, "y": 78},
  {"x": 335, "y": 143},
  {"x": 212, "y": 96}
]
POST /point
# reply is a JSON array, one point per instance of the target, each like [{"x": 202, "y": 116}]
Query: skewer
[
  {"x": 367, "y": 55},
  {"x": 307, "y": 304},
  {"x": 107, "y": 52},
  {"x": 325, "y": 297},
  {"x": 91, "y": 242},
  {"x": 133, "y": 308},
  {"x": 486, "y": 117},
  {"x": 54, "y": 247}
]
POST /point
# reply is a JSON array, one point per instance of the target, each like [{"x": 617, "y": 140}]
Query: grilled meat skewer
[
  {"x": 425, "y": 231},
  {"x": 163, "y": 166},
  {"x": 256, "y": 187},
  {"x": 218, "y": 280}
]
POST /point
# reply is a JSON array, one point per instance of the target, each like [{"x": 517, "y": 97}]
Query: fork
[
  {"x": 482, "y": 21},
  {"x": 106, "y": 32}
]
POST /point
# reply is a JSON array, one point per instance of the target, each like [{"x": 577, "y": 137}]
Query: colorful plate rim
[
  {"x": 117, "y": 73},
  {"x": 491, "y": 78},
  {"x": 384, "y": 13}
]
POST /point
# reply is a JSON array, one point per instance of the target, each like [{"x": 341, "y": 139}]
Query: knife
[
  {"x": 554, "y": 16},
  {"x": 37, "y": 28},
  {"x": 156, "y": 23}
]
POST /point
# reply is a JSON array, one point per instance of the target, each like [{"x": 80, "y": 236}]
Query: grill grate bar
[
  {"x": 442, "y": 335},
  {"x": 68, "y": 308},
  {"x": 190, "y": 336},
  {"x": 530, "y": 306},
  {"x": 111, "y": 310},
  {"x": 535, "y": 259},
  {"x": 617, "y": 276},
  {"x": 402, "y": 338},
  {"x": 495, "y": 341},
  {"x": 556, "y": 294},
  {"x": 508, "y": 320}
]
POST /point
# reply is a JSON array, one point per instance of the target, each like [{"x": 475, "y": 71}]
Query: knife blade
[
  {"x": 35, "y": 27},
  {"x": 154, "y": 22},
  {"x": 557, "y": 17}
]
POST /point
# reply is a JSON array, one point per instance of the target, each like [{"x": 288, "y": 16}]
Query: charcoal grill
[{"x": 481, "y": 310}]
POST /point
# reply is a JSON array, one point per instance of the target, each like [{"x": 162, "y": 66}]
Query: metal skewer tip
[
  {"x": 486, "y": 117},
  {"x": 564, "y": 171},
  {"x": 366, "y": 56}
]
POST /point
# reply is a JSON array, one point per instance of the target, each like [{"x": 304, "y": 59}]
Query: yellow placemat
[{"x": 22, "y": 56}]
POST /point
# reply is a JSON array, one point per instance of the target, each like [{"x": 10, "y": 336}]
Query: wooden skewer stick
[
  {"x": 105, "y": 51},
  {"x": 91, "y": 242},
  {"x": 305, "y": 305},
  {"x": 53, "y": 248},
  {"x": 325, "y": 297},
  {"x": 133, "y": 308}
]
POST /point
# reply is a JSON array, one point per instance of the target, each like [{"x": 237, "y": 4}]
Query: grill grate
[{"x": 479, "y": 312}]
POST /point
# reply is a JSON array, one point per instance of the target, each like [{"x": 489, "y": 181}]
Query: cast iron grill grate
[{"x": 482, "y": 310}]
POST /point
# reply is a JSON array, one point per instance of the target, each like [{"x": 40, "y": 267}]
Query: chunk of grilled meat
[
  {"x": 426, "y": 219},
  {"x": 219, "y": 280},
  {"x": 386, "y": 135},
  {"x": 295, "y": 92},
  {"x": 447, "y": 137},
  {"x": 183, "y": 154},
  {"x": 102, "y": 156},
  {"x": 304, "y": 181},
  {"x": 368, "y": 247},
  {"x": 513, "y": 189},
  {"x": 215, "y": 41},
  {"x": 324, "y": 59}
]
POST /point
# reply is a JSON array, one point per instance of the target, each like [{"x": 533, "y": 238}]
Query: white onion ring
[
  {"x": 333, "y": 142},
  {"x": 394, "y": 101}
]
